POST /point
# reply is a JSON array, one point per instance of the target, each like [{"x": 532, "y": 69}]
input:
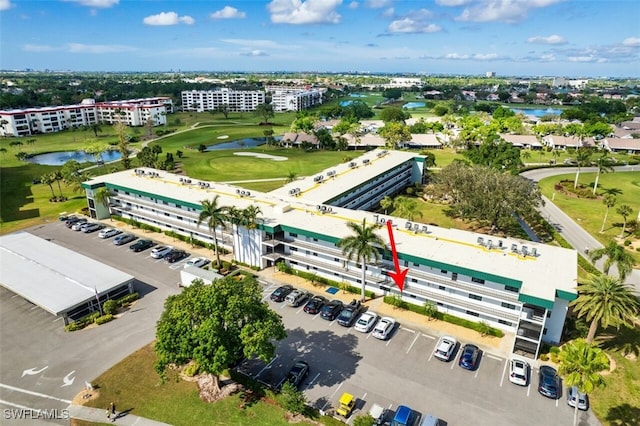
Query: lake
[
  {"x": 61, "y": 157},
  {"x": 410, "y": 105},
  {"x": 537, "y": 112}
]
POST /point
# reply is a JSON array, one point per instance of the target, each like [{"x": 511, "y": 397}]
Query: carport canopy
[{"x": 53, "y": 277}]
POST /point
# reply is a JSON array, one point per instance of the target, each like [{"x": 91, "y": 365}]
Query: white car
[
  {"x": 445, "y": 347},
  {"x": 366, "y": 322},
  {"x": 297, "y": 297},
  {"x": 79, "y": 224},
  {"x": 384, "y": 328},
  {"x": 198, "y": 262},
  {"x": 518, "y": 371},
  {"x": 109, "y": 232},
  {"x": 160, "y": 252}
]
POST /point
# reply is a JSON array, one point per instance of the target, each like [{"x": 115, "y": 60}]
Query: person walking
[{"x": 112, "y": 408}]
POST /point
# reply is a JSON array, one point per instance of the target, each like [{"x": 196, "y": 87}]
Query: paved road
[{"x": 568, "y": 228}]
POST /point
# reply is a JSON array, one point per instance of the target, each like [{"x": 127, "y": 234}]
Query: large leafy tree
[
  {"x": 215, "y": 326},
  {"x": 394, "y": 133},
  {"x": 484, "y": 194},
  {"x": 361, "y": 246},
  {"x": 495, "y": 153},
  {"x": 615, "y": 255},
  {"x": 265, "y": 111},
  {"x": 215, "y": 216},
  {"x": 394, "y": 114},
  {"x": 606, "y": 301},
  {"x": 580, "y": 365}
]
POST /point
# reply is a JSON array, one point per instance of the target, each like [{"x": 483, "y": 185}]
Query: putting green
[{"x": 260, "y": 155}]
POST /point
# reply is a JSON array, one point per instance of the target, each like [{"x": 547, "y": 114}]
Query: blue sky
[{"x": 511, "y": 37}]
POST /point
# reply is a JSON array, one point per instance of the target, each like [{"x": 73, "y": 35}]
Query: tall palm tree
[
  {"x": 616, "y": 254},
  {"x": 606, "y": 301},
  {"x": 580, "y": 365},
  {"x": 234, "y": 215},
  {"x": 603, "y": 162},
  {"x": 101, "y": 196},
  {"x": 386, "y": 203},
  {"x": 250, "y": 217},
  {"x": 609, "y": 200},
  {"x": 406, "y": 208},
  {"x": 361, "y": 246},
  {"x": 47, "y": 179},
  {"x": 582, "y": 159},
  {"x": 291, "y": 176},
  {"x": 57, "y": 177},
  {"x": 624, "y": 211},
  {"x": 215, "y": 216}
]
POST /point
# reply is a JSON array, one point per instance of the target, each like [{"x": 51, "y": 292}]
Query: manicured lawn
[{"x": 134, "y": 385}]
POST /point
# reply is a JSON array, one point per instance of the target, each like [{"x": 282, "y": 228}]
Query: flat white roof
[
  {"x": 53, "y": 277},
  {"x": 553, "y": 268}
]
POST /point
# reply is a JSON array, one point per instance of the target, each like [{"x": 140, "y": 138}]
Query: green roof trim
[
  {"x": 461, "y": 270},
  {"x": 537, "y": 301},
  {"x": 306, "y": 233},
  {"x": 566, "y": 295},
  {"x": 86, "y": 185},
  {"x": 156, "y": 197}
]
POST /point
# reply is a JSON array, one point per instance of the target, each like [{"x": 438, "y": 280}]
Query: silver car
[
  {"x": 574, "y": 394},
  {"x": 445, "y": 347}
]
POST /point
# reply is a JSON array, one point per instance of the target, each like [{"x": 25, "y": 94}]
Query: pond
[
  {"x": 241, "y": 143},
  {"x": 537, "y": 112},
  {"x": 357, "y": 95},
  {"x": 345, "y": 103},
  {"x": 410, "y": 105},
  {"x": 61, "y": 157}
]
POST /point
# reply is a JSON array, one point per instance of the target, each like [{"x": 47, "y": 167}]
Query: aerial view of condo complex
[{"x": 321, "y": 212}]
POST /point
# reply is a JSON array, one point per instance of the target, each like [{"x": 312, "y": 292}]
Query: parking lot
[{"x": 401, "y": 370}]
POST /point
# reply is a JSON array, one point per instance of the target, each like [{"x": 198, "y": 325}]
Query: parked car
[
  {"x": 574, "y": 394},
  {"x": 92, "y": 227},
  {"x": 161, "y": 251},
  {"x": 469, "y": 357},
  {"x": 109, "y": 232},
  {"x": 314, "y": 304},
  {"x": 71, "y": 220},
  {"x": 404, "y": 416},
  {"x": 366, "y": 322},
  {"x": 548, "y": 382},
  {"x": 297, "y": 374},
  {"x": 141, "y": 245},
  {"x": 384, "y": 328},
  {"x": 518, "y": 371},
  {"x": 198, "y": 262},
  {"x": 349, "y": 313},
  {"x": 176, "y": 256},
  {"x": 281, "y": 292},
  {"x": 445, "y": 348},
  {"x": 346, "y": 404},
  {"x": 297, "y": 297},
  {"x": 331, "y": 310},
  {"x": 123, "y": 239},
  {"x": 77, "y": 225}
]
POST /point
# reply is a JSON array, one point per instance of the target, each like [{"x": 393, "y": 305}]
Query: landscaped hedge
[
  {"x": 104, "y": 318},
  {"x": 127, "y": 300},
  {"x": 480, "y": 327}
]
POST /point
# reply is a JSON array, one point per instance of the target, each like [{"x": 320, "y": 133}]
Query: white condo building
[
  {"x": 518, "y": 286},
  {"x": 293, "y": 98},
  {"x": 209, "y": 100},
  {"x": 132, "y": 112}
]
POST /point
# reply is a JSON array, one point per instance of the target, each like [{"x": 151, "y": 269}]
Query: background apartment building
[
  {"x": 210, "y": 100},
  {"x": 294, "y": 98}
]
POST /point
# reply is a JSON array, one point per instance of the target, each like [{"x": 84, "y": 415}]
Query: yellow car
[{"x": 347, "y": 403}]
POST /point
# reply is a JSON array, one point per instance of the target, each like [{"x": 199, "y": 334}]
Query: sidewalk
[{"x": 98, "y": 415}]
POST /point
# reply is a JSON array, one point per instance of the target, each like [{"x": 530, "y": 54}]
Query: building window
[
  {"x": 413, "y": 280},
  {"x": 544, "y": 332},
  {"x": 509, "y": 288},
  {"x": 443, "y": 271},
  {"x": 454, "y": 276},
  {"x": 548, "y": 314},
  {"x": 415, "y": 264},
  {"x": 475, "y": 297},
  {"x": 440, "y": 287},
  {"x": 505, "y": 322},
  {"x": 293, "y": 248},
  {"x": 477, "y": 280},
  {"x": 475, "y": 314},
  {"x": 508, "y": 305},
  {"x": 293, "y": 234}
]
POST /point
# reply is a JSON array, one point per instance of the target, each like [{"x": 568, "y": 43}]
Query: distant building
[
  {"x": 210, "y": 100},
  {"x": 38, "y": 120},
  {"x": 294, "y": 98},
  {"x": 563, "y": 82},
  {"x": 490, "y": 74}
]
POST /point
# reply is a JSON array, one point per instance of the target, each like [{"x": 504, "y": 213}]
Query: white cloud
[
  {"x": 552, "y": 39},
  {"x": 452, "y": 2},
  {"x": 228, "y": 12},
  {"x": 631, "y": 41},
  {"x": 509, "y": 11},
  {"x": 5, "y": 5},
  {"x": 388, "y": 13},
  {"x": 309, "y": 12},
  {"x": 378, "y": 4},
  {"x": 582, "y": 59},
  {"x": 408, "y": 25},
  {"x": 168, "y": 18},
  {"x": 354, "y": 5},
  {"x": 456, "y": 56},
  {"x": 38, "y": 48},
  {"x": 103, "y": 4},
  {"x": 97, "y": 48},
  {"x": 255, "y": 53}
]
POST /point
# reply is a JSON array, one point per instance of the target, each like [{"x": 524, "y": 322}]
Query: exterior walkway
[{"x": 98, "y": 415}]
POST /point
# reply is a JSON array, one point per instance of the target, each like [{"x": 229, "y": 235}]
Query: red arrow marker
[{"x": 399, "y": 275}]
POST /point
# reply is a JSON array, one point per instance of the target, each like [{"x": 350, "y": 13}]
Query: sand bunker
[
  {"x": 259, "y": 155},
  {"x": 223, "y": 137}
]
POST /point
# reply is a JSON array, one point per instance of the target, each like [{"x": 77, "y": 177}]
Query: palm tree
[
  {"x": 604, "y": 166},
  {"x": 250, "y": 217},
  {"x": 580, "y": 365},
  {"x": 47, "y": 179},
  {"x": 616, "y": 254},
  {"x": 386, "y": 203},
  {"x": 57, "y": 177},
  {"x": 291, "y": 176},
  {"x": 406, "y": 208},
  {"x": 609, "y": 200},
  {"x": 101, "y": 196},
  {"x": 606, "y": 301},
  {"x": 624, "y": 211},
  {"x": 582, "y": 159},
  {"x": 525, "y": 155},
  {"x": 361, "y": 246},
  {"x": 215, "y": 216}
]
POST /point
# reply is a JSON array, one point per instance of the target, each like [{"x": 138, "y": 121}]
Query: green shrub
[
  {"x": 127, "y": 300},
  {"x": 627, "y": 243},
  {"x": 554, "y": 350},
  {"x": 192, "y": 369},
  {"x": 74, "y": 326},
  {"x": 110, "y": 307},
  {"x": 103, "y": 319},
  {"x": 544, "y": 357}
]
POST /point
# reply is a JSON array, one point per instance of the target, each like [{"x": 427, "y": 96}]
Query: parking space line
[
  {"x": 313, "y": 380},
  {"x": 529, "y": 387},
  {"x": 495, "y": 357},
  {"x": 407, "y": 329},
  {"x": 331, "y": 397},
  {"x": 412, "y": 343},
  {"x": 504, "y": 370},
  {"x": 268, "y": 365},
  {"x": 428, "y": 337},
  {"x": 475, "y": 376},
  {"x": 557, "y": 400},
  {"x": 300, "y": 310},
  {"x": 453, "y": 358}
]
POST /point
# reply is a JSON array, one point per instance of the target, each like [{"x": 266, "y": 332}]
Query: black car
[
  {"x": 548, "y": 382},
  {"x": 141, "y": 245},
  {"x": 281, "y": 292},
  {"x": 469, "y": 357},
  {"x": 349, "y": 313},
  {"x": 176, "y": 256},
  {"x": 297, "y": 374},
  {"x": 314, "y": 304},
  {"x": 331, "y": 310}
]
